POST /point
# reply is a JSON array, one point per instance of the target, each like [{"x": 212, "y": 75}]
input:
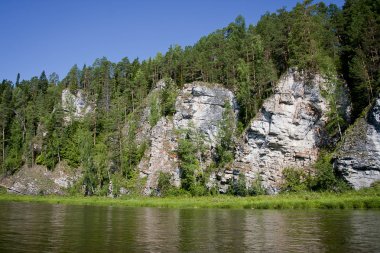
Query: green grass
[{"x": 364, "y": 199}]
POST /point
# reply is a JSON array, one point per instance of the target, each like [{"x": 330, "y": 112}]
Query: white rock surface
[
  {"x": 202, "y": 105},
  {"x": 286, "y": 132}
]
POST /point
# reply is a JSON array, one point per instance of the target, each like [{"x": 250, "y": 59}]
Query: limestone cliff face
[
  {"x": 199, "y": 106},
  {"x": 161, "y": 156},
  {"x": 202, "y": 105},
  {"x": 358, "y": 158},
  {"x": 75, "y": 105},
  {"x": 286, "y": 132}
]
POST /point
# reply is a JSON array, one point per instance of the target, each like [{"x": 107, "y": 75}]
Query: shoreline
[{"x": 365, "y": 199}]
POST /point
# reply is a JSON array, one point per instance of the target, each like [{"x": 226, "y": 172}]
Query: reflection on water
[{"x": 60, "y": 228}]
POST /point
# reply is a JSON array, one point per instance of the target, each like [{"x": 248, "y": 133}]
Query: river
[{"x": 31, "y": 227}]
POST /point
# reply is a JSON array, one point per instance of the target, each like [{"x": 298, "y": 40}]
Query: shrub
[
  {"x": 240, "y": 187},
  {"x": 295, "y": 180},
  {"x": 256, "y": 187},
  {"x": 198, "y": 190},
  {"x": 3, "y": 190},
  {"x": 164, "y": 185},
  {"x": 176, "y": 192},
  {"x": 325, "y": 178}
]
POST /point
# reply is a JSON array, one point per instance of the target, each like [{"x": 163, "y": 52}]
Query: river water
[{"x": 26, "y": 227}]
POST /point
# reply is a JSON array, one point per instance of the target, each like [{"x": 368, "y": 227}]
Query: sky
[{"x": 53, "y": 35}]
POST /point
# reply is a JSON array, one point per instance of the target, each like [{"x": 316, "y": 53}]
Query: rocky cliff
[
  {"x": 358, "y": 157},
  {"x": 199, "y": 106},
  {"x": 286, "y": 132}
]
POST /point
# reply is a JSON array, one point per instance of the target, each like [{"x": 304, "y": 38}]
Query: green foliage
[
  {"x": 336, "y": 116},
  {"x": 189, "y": 163},
  {"x": 198, "y": 190},
  {"x": 3, "y": 190},
  {"x": 225, "y": 146},
  {"x": 164, "y": 183},
  {"x": 322, "y": 179},
  {"x": 118, "y": 182},
  {"x": 135, "y": 184},
  {"x": 325, "y": 178},
  {"x": 239, "y": 188},
  {"x": 190, "y": 153},
  {"x": 132, "y": 152},
  {"x": 359, "y": 31},
  {"x": 13, "y": 160},
  {"x": 168, "y": 97},
  {"x": 70, "y": 150},
  {"x": 295, "y": 180},
  {"x": 256, "y": 187},
  {"x": 155, "y": 110}
]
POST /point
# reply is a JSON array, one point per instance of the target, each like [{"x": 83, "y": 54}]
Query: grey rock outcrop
[
  {"x": 161, "y": 155},
  {"x": 199, "y": 106},
  {"x": 38, "y": 180},
  {"x": 358, "y": 157},
  {"x": 286, "y": 132},
  {"x": 75, "y": 105}
]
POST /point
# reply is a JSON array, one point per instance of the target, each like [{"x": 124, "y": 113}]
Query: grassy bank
[{"x": 364, "y": 199}]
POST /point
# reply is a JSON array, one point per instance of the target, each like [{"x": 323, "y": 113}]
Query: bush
[
  {"x": 198, "y": 190},
  {"x": 177, "y": 192},
  {"x": 239, "y": 186},
  {"x": 12, "y": 163},
  {"x": 325, "y": 178},
  {"x": 376, "y": 185},
  {"x": 135, "y": 185},
  {"x": 164, "y": 185},
  {"x": 295, "y": 180},
  {"x": 256, "y": 187},
  {"x": 3, "y": 190}
]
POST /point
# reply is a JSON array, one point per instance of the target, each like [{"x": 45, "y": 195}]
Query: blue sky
[{"x": 54, "y": 35}]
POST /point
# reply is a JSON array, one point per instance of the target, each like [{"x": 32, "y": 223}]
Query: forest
[{"x": 339, "y": 43}]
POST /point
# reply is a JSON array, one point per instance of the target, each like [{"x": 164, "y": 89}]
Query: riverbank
[{"x": 364, "y": 199}]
